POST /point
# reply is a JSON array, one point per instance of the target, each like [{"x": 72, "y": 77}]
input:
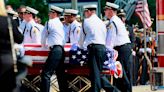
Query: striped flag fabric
[
  {"x": 142, "y": 11},
  {"x": 39, "y": 53}
]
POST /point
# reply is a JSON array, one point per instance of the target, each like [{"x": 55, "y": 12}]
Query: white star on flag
[
  {"x": 81, "y": 63},
  {"x": 108, "y": 55},
  {"x": 106, "y": 62},
  {"x": 84, "y": 57},
  {"x": 78, "y": 52},
  {"x": 73, "y": 56}
]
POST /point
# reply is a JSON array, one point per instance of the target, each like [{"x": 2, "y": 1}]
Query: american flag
[
  {"x": 74, "y": 55},
  {"x": 111, "y": 56},
  {"x": 111, "y": 64},
  {"x": 142, "y": 11},
  {"x": 78, "y": 56}
]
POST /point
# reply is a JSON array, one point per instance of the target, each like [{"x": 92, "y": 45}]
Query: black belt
[
  {"x": 55, "y": 46},
  {"x": 118, "y": 47},
  {"x": 93, "y": 44}
]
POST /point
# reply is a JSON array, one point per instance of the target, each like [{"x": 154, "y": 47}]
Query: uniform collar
[
  {"x": 112, "y": 18},
  {"x": 20, "y": 19},
  {"x": 31, "y": 21},
  {"x": 93, "y": 15},
  {"x": 75, "y": 21},
  {"x": 73, "y": 24},
  {"x": 57, "y": 18}
]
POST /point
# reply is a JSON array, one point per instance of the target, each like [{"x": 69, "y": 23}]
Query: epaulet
[
  {"x": 83, "y": 27},
  {"x": 115, "y": 27},
  {"x": 47, "y": 25},
  {"x": 35, "y": 29}
]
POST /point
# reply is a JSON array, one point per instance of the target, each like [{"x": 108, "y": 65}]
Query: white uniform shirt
[
  {"x": 74, "y": 32},
  {"x": 32, "y": 34},
  {"x": 19, "y": 20},
  {"x": 53, "y": 33},
  {"x": 22, "y": 26},
  {"x": 117, "y": 34},
  {"x": 40, "y": 27},
  {"x": 95, "y": 32},
  {"x": 66, "y": 31},
  {"x": 110, "y": 39}
]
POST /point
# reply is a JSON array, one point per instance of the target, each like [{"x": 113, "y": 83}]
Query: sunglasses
[
  {"x": 52, "y": 12},
  {"x": 27, "y": 13}
]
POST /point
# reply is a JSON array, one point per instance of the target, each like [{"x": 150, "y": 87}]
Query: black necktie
[{"x": 24, "y": 29}]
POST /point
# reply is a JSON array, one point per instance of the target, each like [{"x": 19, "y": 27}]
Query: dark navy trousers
[
  {"x": 54, "y": 63},
  {"x": 126, "y": 59},
  {"x": 96, "y": 58}
]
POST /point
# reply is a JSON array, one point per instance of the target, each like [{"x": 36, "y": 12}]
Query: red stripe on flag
[
  {"x": 36, "y": 53},
  {"x": 67, "y": 46},
  {"x": 33, "y": 45},
  {"x": 143, "y": 13}
]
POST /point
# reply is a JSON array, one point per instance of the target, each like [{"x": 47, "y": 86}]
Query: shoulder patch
[
  {"x": 109, "y": 26},
  {"x": 78, "y": 31},
  {"x": 35, "y": 30}
]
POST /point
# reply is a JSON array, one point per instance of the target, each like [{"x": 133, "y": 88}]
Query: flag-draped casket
[
  {"x": 73, "y": 58},
  {"x": 39, "y": 54}
]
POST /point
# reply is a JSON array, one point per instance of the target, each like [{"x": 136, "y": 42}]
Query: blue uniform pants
[
  {"x": 125, "y": 57},
  {"x": 96, "y": 58},
  {"x": 54, "y": 63}
]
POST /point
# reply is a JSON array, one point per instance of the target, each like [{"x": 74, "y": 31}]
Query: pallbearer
[
  {"x": 74, "y": 27},
  {"x": 32, "y": 34},
  {"x": 93, "y": 37},
  {"x": 120, "y": 42},
  {"x": 53, "y": 34}
]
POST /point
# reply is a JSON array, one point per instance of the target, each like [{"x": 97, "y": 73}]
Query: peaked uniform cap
[
  {"x": 111, "y": 5},
  {"x": 70, "y": 11},
  {"x": 12, "y": 12},
  {"x": 55, "y": 8},
  {"x": 31, "y": 10},
  {"x": 121, "y": 13},
  {"x": 92, "y": 6}
]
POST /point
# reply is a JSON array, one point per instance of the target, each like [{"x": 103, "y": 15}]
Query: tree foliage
[
  {"x": 36, "y": 4},
  {"x": 15, "y": 3}
]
